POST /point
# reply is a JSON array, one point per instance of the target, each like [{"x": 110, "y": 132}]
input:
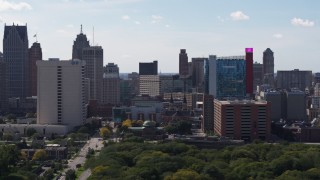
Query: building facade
[
  {"x": 148, "y": 68},
  {"x": 246, "y": 120},
  {"x": 208, "y": 113},
  {"x": 149, "y": 85},
  {"x": 231, "y": 77},
  {"x": 211, "y": 75},
  {"x": 3, "y": 85},
  {"x": 15, "y": 55},
  {"x": 198, "y": 72},
  {"x": 249, "y": 71},
  {"x": 294, "y": 79},
  {"x": 111, "y": 85},
  {"x": 93, "y": 57},
  {"x": 268, "y": 67},
  {"x": 35, "y": 54},
  {"x": 183, "y": 63},
  {"x": 257, "y": 75},
  {"x": 78, "y": 45},
  {"x": 61, "y": 93}
]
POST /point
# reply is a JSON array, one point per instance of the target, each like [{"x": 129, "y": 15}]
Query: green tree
[
  {"x": 70, "y": 174},
  {"x": 40, "y": 154},
  {"x": 9, "y": 155},
  {"x": 105, "y": 132},
  {"x": 48, "y": 175},
  {"x": 185, "y": 174}
]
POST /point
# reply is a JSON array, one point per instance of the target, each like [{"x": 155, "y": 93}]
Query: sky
[{"x": 133, "y": 31}]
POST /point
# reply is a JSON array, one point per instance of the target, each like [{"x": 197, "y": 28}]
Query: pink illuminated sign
[{"x": 249, "y": 50}]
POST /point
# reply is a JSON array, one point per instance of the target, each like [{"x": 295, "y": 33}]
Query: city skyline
[{"x": 133, "y": 31}]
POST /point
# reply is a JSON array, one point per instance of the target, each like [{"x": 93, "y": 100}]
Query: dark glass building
[{"x": 150, "y": 68}]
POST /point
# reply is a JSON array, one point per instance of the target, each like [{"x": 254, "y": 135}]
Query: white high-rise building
[
  {"x": 211, "y": 75},
  {"x": 61, "y": 98}
]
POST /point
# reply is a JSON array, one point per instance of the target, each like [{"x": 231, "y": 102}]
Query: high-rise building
[
  {"x": 211, "y": 75},
  {"x": 268, "y": 67},
  {"x": 198, "y": 72},
  {"x": 61, "y": 92},
  {"x": 111, "y": 85},
  {"x": 257, "y": 75},
  {"x": 231, "y": 77},
  {"x": 208, "y": 113},
  {"x": 183, "y": 63},
  {"x": 15, "y": 55},
  {"x": 35, "y": 54},
  {"x": 94, "y": 70},
  {"x": 80, "y": 43},
  {"x": 249, "y": 71},
  {"x": 3, "y": 85},
  {"x": 294, "y": 79},
  {"x": 296, "y": 105},
  {"x": 149, "y": 85},
  {"x": 247, "y": 120},
  {"x": 316, "y": 78},
  {"x": 148, "y": 68}
]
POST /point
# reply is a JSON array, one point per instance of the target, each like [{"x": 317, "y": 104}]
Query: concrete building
[
  {"x": 246, "y": 120},
  {"x": 296, "y": 106},
  {"x": 35, "y": 54},
  {"x": 257, "y": 75},
  {"x": 61, "y": 93},
  {"x": 148, "y": 68},
  {"x": 277, "y": 102},
  {"x": 3, "y": 85},
  {"x": 294, "y": 79},
  {"x": 79, "y": 44},
  {"x": 93, "y": 57},
  {"x": 198, "y": 73},
  {"x": 15, "y": 55},
  {"x": 208, "y": 113},
  {"x": 111, "y": 85},
  {"x": 183, "y": 64},
  {"x": 317, "y": 89},
  {"x": 211, "y": 75},
  {"x": 149, "y": 85},
  {"x": 268, "y": 67}
]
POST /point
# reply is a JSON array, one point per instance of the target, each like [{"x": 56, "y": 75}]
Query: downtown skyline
[{"x": 133, "y": 31}]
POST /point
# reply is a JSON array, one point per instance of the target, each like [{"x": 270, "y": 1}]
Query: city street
[{"x": 93, "y": 143}]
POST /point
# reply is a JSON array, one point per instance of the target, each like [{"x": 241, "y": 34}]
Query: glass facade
[{"x": 231, "y": 77}]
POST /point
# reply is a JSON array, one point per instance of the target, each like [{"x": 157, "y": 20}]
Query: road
[{"x": 93, "y": 143}]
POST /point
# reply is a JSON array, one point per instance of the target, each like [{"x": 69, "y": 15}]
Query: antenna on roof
[
  {"x": 93, "y": 36},
  {"x": 81, "y": 29}
]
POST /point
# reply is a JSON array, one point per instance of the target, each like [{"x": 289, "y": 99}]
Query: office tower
[
  {"x": 317, "y": 89},
  {"x": 249, "y": 71},
  {"x": 134, "y": 77},
  {"x": 247, "y": 120},
  {"x": 126, "y": 91},
  {"x": 3, "y": 85},
  {"x": 278, "y": 107},
  {"x": 211, "y": 75},
  {"x": 316, "y": 78},
  {"x": 61, "y": 92},
  {"x": 268, "y": 67},
  {"x": 149, "y": 85},
  {"x": 148, "y": 68},
  {"x": 198, "y": 72},
  {"x": 257, "y": 75},
  {"x": 94, "y": 70},
  {"x": 166, "y": 84},
  {"x": 183, "y": 63},
  {"x": 294, "y": 79},
  {"x": 208, "y": 113},
  {"x": 111, "y": 85},
  {"x": 296, "y": 105},
  {"x": 231, "y": 77},
  {"x": 35, "y": 54},
  {"x": 80, "y": 43},
  {"x": 15, "y": 55}
]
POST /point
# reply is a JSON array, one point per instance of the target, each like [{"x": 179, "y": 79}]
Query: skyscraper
[
  {"x": 15, "y": 55},
  {"x": 211, "y": 75},
  {"x": 111, "y": 85},
  {"x": 268, "y": 67},
  {"x": 61, "y": 92},
  {"x": 94, "y": 70},
  {"x": 148, "y": 68},
  {"x": 80, "y": 43},
  {"x": 183, "y": 63},
  {"x": 3, "y": 85},
  {"x": 198, "y": 72},
  {"x": 249, "y": 71},
  {"x": 294, "y": 79},
  {"x": 35, "y": 54},
  {"x": 257, "y": 75}
]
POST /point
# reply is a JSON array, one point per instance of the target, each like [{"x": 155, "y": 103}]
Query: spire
[{"x": 81, "y": 29}]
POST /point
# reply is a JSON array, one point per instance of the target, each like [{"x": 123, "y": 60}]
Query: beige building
[
  {"x": 149, "y": 85},
  {"x": 61, "y": 92}
]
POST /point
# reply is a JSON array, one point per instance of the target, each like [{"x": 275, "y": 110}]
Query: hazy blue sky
[{"x": 133, "y": 31}]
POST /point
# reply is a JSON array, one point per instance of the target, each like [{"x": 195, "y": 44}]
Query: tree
[
  {"x": 84, "y": 129},
  {"x": 185, "y": 174},
  {"x": 127, "y": 123},
  {"x": 9, "y": 155},
  {"x": 105, "y": 132},
  {"x": 31, "y": 132},
  {"x": 30, "y": 115},
  {"x": 7, "y": 137},
  {"x": 70, "y": 174},
  {"x": 40, "y": 154},
  {"x": 48, "y": 175}
]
